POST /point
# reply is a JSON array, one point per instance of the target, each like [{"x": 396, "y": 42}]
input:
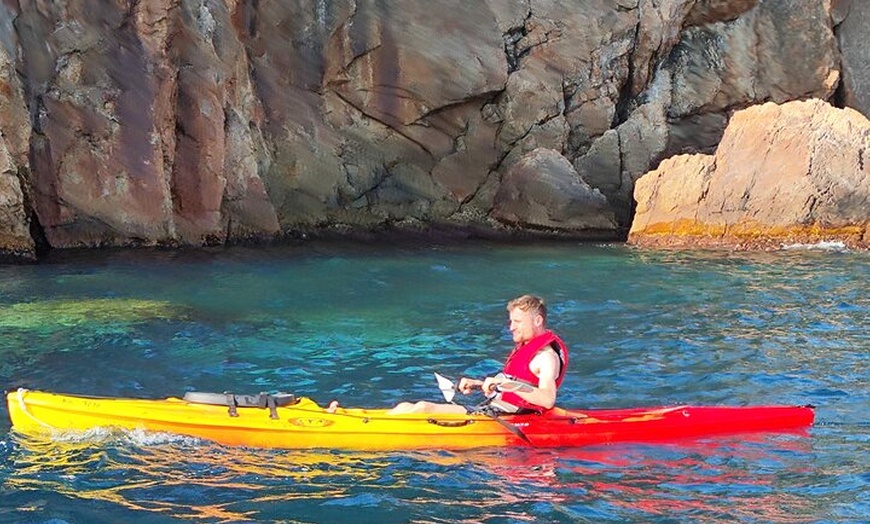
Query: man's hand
[
  {"x": 491, "y": 383},
  {"x": 467, "y": 385}
]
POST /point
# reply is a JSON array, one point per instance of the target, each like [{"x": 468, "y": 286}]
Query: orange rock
[{"x": 782, "y": 174}]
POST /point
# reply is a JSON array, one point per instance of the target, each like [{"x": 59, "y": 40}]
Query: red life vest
[{"x": 517, "y": 365}]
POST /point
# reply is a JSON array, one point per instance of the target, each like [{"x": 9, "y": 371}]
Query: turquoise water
[{"x": 368, "y": 325}]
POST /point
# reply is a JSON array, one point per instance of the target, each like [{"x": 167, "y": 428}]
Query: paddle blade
[{"x": 447, "y": 387}]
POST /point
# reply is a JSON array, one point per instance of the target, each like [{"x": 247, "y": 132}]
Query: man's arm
[{"x": 545, "y": 365}]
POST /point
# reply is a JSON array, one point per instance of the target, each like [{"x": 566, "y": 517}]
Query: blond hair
[{"x": 531, "y": 303}]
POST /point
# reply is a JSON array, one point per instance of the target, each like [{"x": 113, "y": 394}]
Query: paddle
[
  {"x": 514, "y": 386},
  {"x": 448, "y": 389}
]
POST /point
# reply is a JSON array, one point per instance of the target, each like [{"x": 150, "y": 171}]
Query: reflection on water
[
  {"x": 181, "y": 476},
  {"x": 746, "y": 479}
]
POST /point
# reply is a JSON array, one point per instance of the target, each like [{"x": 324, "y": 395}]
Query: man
[{"x": 538, "y": 360}]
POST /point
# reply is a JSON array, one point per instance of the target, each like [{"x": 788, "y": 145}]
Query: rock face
[
  {"x": 783, "y": 174},
  {"x": 14, "y": 232},
  {"x": 851, "y": 34},
  {"x": 205, "y": 121},
  {"x": 15, "y": 237}
]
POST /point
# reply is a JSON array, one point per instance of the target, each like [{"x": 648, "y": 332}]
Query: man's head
[{"x": 528, "y": 317}]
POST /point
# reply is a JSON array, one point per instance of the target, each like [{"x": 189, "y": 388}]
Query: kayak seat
[{"x": 233, "y": 401}]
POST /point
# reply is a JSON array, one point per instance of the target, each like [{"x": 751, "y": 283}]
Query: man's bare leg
[{"x": 426, "y": 407}]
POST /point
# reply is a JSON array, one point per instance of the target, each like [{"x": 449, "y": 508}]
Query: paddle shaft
[{"x": 446, "y": 385}]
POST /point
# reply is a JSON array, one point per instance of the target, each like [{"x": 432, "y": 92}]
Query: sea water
[{"x": 368, "y": 326}]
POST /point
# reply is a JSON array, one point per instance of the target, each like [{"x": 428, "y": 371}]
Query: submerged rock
[
  {"x": 792, "y": 173},
  {"x": 52, "y": 315}
]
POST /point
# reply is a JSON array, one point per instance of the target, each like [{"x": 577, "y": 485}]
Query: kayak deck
[{"x": 306, "y": 425}]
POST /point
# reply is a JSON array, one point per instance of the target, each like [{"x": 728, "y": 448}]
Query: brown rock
[
  {"x": 98, "y": 168},
  {"x": 147, "y": 125},
  {"x": 659, "y": 29},
  {"x": 217, "y": 192},
  {"x": 852, "y": 35},
  {"x": 735, "y": 59},
  {"x": 839, "y": 10},
  {"x": 391, "y": 60},
  {"x": 15, "y": 239},
  {"x": 620, "y": 156},
  {"x": 543, "y": 191},
  {"x": 711, "y": 11},
  {"x": 563, "y": 59},
  {"x": 773, "y": 52},
  {"x": 791, "y": 173}
]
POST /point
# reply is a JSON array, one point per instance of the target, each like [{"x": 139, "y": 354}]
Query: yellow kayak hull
[{"x": 303, "y": 425}]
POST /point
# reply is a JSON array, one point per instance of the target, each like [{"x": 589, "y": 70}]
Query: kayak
[{"x": 284, "y": 421}]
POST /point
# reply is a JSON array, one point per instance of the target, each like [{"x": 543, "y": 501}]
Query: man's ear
[{"x": 539, "y": 321}]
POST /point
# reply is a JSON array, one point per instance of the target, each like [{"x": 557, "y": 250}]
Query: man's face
[{"x": 524, "y": 325}]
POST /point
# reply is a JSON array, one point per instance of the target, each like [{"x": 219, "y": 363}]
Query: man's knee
[
  {"x": 416, "y": 407},
  {"x": 423, "y": 407}
]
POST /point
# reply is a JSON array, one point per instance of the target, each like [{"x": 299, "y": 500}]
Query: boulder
[
  {"x": 543, "y": 191},
  {"x": 783, "y": 174}
]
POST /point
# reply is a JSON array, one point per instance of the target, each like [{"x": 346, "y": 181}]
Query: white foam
[
  {"x": 830, "y": 245},
  {"x": 141, "y": 437},
  {"x": 138, "y": 437},
  {"x": 98, "y": 434}
]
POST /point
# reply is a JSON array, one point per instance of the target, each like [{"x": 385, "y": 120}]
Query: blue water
[{"x": 368, "y": 325}]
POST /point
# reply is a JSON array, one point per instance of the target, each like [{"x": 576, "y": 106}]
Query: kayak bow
[{"x": 303, "y": 424}]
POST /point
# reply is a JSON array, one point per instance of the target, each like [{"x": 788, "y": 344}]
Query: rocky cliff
[{"x": 207, "y": 121}]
